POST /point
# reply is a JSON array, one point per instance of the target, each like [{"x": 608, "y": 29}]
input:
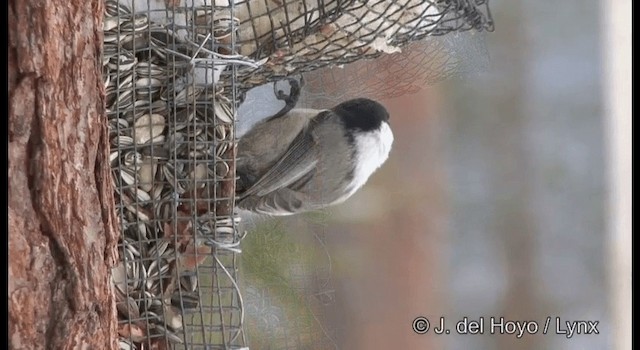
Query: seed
[{"x": 148, "y": 127}]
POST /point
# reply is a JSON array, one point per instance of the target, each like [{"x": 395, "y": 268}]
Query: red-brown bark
[{"x": 62, "y": 223}]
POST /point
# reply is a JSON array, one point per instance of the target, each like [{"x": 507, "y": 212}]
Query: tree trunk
[{"x": 62, "y": 233}]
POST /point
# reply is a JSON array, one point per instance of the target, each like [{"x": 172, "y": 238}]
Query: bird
[{"x": 309, "y": 159}]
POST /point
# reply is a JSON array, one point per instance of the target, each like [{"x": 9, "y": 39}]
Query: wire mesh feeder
[
  {"x": 421, "y": 63},
  {"x": 172, "y": 155},
  {"x": 288, "y": 287},
  {"x": 297, "y": 36},
  {"x": 174, "y": 73}
]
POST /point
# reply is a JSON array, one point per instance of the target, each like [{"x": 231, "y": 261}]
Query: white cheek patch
[{"x": 372, "y": 150}]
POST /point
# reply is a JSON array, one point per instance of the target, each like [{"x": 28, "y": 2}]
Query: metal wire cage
[
  {"x": 172, "y": 143},
  {"x": 175, "y": 71},
  {"x": 295, "y": 36},
  {"x": 421, "y": 63}
]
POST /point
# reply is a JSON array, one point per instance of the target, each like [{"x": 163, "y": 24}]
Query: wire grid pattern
[
  {"x": 174, "y": 72},
  {"x": 172, "y": 156},
  {"x": 421, "y": 63},
  {"x": 288, "y": 289},
  {"x": 296, "y": 36}
]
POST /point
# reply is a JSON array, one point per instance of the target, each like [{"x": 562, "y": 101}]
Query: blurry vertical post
[{"x": 617, "y": 60}]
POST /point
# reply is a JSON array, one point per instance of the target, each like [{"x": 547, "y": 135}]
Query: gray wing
[
  {"x": 284, "y": 201},
  {"x": 299, "y": 160}
]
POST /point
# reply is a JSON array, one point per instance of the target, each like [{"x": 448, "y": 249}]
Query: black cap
[{"x": 362, "y": 114}]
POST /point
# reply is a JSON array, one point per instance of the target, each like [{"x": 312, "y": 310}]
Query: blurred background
[{"x": 493, "y": 203}]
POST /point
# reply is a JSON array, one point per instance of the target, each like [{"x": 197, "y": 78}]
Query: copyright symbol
[{"x": 420, "y": 325}]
